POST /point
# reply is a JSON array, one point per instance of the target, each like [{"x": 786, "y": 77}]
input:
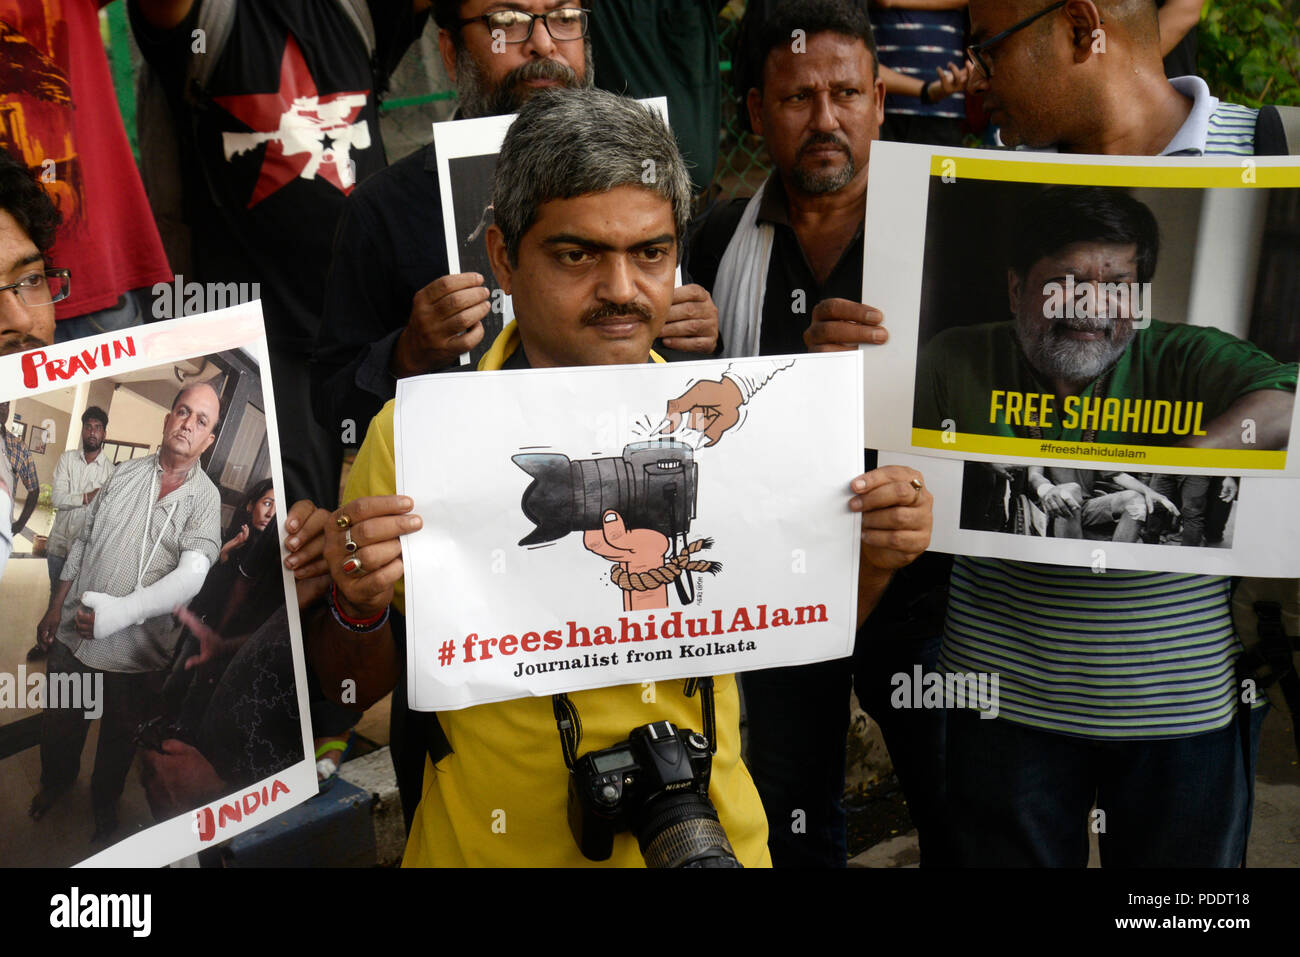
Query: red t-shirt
[{"x": 57, "y": 103}]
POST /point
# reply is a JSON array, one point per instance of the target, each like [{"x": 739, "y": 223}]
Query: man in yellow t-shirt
[{"x": 587, "y": 245}]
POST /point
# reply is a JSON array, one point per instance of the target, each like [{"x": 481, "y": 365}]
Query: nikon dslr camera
[{"x": 655, "y": 784}]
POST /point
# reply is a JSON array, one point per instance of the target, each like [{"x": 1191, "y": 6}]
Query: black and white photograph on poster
[
  {"x": 1195, "y": 511},
  {"x": 1156, "y": 521},
  {"x": 152, "y": 692},
  {"x": 1102, "y": 318},
  {"x": 467, "y": 160}
]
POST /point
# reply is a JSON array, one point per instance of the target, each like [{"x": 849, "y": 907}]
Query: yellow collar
[{"x": 507, "y": 342}]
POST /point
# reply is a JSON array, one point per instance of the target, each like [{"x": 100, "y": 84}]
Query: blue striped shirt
[
  {"x": 1121, "y": 655},
  {"x": 916, "y": 43}
]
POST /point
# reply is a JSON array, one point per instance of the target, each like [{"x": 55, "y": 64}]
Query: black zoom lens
[
  {"x": 682, "y": 830},
  {"x": 651, "y": 485}
]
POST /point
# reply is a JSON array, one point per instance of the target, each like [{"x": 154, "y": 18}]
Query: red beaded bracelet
[{"x": 356, "y": 624}]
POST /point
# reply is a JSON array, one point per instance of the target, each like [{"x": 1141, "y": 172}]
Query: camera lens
[{"x": 682, "y": 830}]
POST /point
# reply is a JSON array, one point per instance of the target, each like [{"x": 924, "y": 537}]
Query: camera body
[
  {"x": 656, "y": 784},
  {"x": 651, "y": 485}
]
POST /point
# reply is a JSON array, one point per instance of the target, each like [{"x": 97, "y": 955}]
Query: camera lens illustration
[{"x": 652, "y": 485}]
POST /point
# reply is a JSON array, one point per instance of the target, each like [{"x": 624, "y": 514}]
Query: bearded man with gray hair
[{"x": 1107, "y": 241}]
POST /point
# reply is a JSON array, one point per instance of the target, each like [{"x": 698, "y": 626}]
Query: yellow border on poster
[
  {"x": 1230, "y": 460},
  {"x": 1246, "y": 174}
]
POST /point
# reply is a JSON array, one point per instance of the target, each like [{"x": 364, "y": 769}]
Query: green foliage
[
  {"x": 1249, "y": 51},
  {"x": 45, "y": 500}
]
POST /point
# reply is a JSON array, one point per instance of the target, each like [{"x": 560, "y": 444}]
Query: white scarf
[{"x": 741, "y": 283}]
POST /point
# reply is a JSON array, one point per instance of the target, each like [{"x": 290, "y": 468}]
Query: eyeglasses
[
  {"x": 976, "y": 50},
  {"x": 42, "y": 289},
  {"x": 516, "y": 26}
]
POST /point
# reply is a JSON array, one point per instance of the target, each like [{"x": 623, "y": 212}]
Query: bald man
[
  {"x": 152, "y": 533},
  {"x": 1120, "y": 710}
]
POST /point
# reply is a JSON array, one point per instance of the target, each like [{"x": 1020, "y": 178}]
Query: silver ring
[{"x": 349, "y": 545}]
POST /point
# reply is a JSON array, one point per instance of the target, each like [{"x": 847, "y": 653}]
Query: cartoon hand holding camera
[{"x": 636, "y": 550}]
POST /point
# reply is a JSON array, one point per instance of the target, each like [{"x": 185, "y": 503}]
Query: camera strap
[
  {"x": 569, "y": 724},
  {"x": 570, "y": 727},
  {"x": 705, "y": 687}
]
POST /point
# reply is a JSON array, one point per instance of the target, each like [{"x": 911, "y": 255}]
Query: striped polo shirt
[
  {"x": 916, "y": 43},
  {"x": 1124, "y": 654}
]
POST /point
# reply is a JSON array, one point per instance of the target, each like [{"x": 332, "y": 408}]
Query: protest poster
[
  {"x": 1095, "y": 312},
  {"x": 560, "y": 506},
  {"x": 466, "y": 152},
  {"x": 130, "y": 735},
  {"x": 1110, "y": 518}
]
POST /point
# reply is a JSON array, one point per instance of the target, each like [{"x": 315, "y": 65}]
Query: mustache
[
  {"x": 822, "y": 139},
  {"x": 615, "y": 310},
  {"x": 1084, "y": 325},
  {"x": 13, "y": 342},
  {"x": 541, "y": 70}
]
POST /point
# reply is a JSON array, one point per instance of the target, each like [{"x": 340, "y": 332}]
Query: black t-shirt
[
  {"x": 286, "y": 127},
  {"x": 389, "y": 245},
  {"x": 785, "y": 314}
]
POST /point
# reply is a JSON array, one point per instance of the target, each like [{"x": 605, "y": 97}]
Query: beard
[
  {"x": 479, "y": 98},
  {"x": 828, "y": 181},
  {"x": 92, "y": 445},
  {"x": 1055, "y": 356}
]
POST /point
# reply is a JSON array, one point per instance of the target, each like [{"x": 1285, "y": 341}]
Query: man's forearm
[
  {"x": 60, "y": 594},
  {"x": 1126, "y": 481},
  {"x": 1177, "y": 19},
  {"x": 61, "y": 493},
  {"x": 900, "y": 84},
  {"x": 29, "y": 506},
  {"x": 1258, "y": 420},
  {"x": 872, "y": 583},
  {"x": 365, "y": 666}
]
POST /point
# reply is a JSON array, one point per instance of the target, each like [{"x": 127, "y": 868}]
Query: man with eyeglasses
[
  {"x": 28, "y": 292},
  {"x": 1118, "y": 689},
  {"x": 391, "y": 308},
  {"x": 28, "y": 221}
]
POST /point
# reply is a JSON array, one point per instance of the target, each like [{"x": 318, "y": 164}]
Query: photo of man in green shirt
[{"x": 1084, "y": 360}]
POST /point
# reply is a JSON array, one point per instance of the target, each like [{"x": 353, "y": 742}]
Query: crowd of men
[{"x": 1117, "y": 690}]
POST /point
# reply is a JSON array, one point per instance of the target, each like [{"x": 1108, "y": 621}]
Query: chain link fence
[{"x": 743, "y": 163}]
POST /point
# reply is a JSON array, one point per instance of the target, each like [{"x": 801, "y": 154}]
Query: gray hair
[{"x": 570, "y": 143}]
